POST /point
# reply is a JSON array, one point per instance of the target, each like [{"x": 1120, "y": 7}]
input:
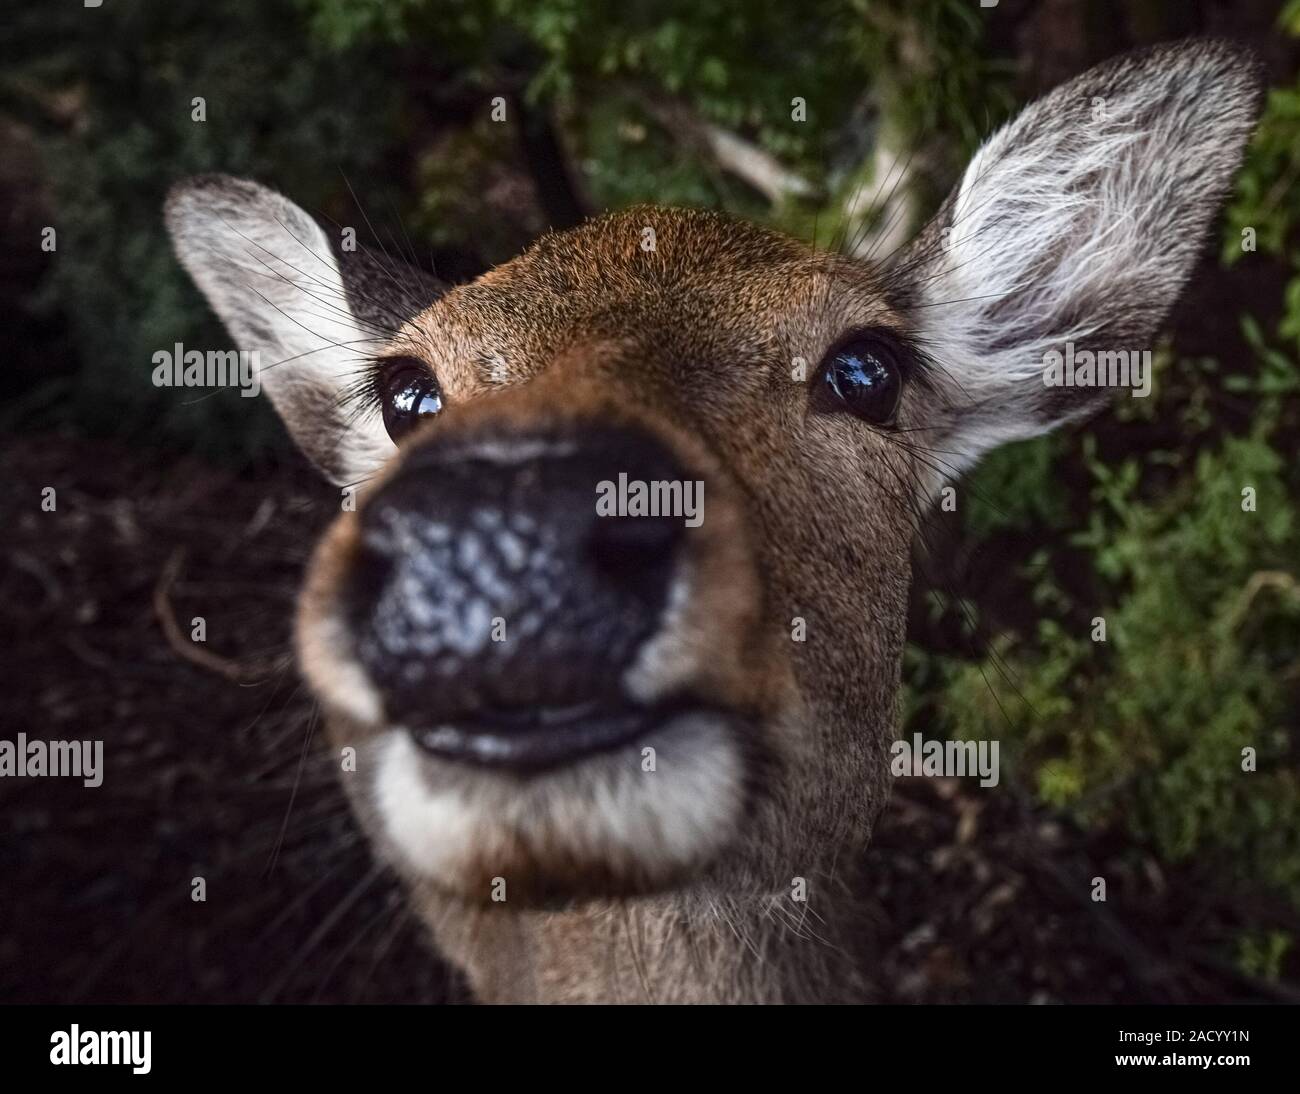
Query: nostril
[
  {"x": 638, "y": 539},
  {"x": 371, "y": 572},
  {"x": 635, "y": 551}
]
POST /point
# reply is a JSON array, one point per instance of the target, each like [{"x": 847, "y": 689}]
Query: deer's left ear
[
  {"x": 313, "y": 311},
  {"x": 1074, "y": 225}
]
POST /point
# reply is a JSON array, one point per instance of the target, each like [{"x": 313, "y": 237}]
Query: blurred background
[{"x": 1121, "y": 760}]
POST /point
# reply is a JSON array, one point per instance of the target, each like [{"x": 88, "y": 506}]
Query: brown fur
[{"x": 694, "y": 342}]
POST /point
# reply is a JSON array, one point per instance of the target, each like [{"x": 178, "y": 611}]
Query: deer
[{"x": 602, "y": 750}]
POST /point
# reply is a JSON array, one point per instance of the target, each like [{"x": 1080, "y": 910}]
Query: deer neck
[{"x": 696, "y": 946}]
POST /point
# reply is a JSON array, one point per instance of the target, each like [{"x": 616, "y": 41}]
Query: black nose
[{"x": 500, "y": 593}]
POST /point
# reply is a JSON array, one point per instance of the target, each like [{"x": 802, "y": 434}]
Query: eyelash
[{"x": 360, "y": 397}]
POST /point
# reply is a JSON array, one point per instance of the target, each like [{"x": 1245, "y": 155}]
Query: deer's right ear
[
  {"x": 1074, "y": 225},
  {"x": 312, "y": 312}
]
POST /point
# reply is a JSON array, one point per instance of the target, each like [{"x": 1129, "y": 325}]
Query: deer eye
[
  {"x": 408, "y": 394},
  {"x": 863, "y": 376}
]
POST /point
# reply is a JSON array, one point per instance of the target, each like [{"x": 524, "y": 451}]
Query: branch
[
  {"x": 162, "y": 606},
  {"x": 735, "y": 155}
]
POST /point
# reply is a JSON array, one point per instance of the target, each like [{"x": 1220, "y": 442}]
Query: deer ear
[
  {"x": 1075, "y": 226},
  {"x": 312, "y": 312}
]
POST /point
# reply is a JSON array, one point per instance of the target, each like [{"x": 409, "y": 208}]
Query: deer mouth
[
  {"x": 657, "y": 796},
  {"x": 537, "y": 738}
]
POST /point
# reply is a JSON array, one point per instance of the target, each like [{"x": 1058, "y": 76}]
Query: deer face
[{"x": 620, "y": 603}]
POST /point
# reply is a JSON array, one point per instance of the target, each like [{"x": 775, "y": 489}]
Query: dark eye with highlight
[
  {"x": 408, "y": 394},
  {"x": 865, "y": 377}
]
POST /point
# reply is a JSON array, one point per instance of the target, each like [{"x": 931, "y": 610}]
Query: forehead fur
[
  {"x": 686, "y": 243},
  {"x": 686, "y": 280}
]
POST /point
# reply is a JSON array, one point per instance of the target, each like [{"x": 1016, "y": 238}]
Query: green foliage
[
  {"x": 1008, "y": 487},
  {"x": 1201, "y": 604},
  {"x": 1266, "y": 186},
  {"x": 1261, "y": 953},
  {"x": 278, "y": 109},
  {"x": 1146, "y": 733},
  {"x": 737, "y": 63}
]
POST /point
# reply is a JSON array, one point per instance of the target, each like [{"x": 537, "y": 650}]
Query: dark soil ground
[{"x": 213, "y": 771}]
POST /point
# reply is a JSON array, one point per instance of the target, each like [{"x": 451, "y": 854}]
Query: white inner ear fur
[
  {"x": 268, "y": 271},
  {"x": 1077, "y": 222}
]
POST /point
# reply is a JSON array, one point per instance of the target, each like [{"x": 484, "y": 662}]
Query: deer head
[{"x": 565, "y": 701}]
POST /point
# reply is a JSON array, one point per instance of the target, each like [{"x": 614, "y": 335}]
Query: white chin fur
[{"x": 454, "y": 825}]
